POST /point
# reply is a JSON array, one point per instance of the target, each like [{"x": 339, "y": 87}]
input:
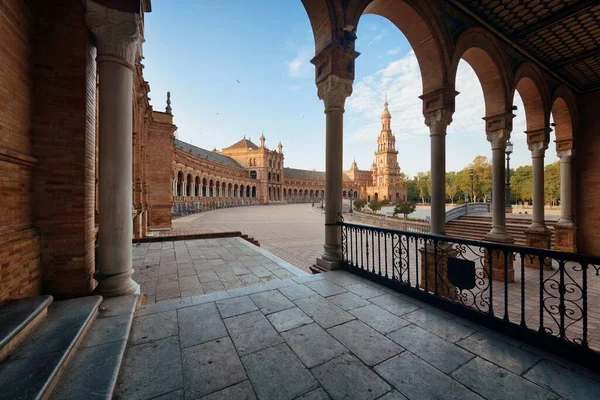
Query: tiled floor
[
  {"x": 176, "y": 269},
  {"x": 331, "y": 335}
]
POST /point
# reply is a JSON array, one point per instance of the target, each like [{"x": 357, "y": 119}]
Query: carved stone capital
[
  {"x": 118, "y": 34},
  {"x": 334, "y": 91},
  {"x": 538, "y": 149},
  {"x": 498, "y": 138},
  {"x": 438, "y": 121},
  {"x": 565, "y": 155}
]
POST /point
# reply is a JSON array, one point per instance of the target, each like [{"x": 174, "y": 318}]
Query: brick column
[{"x": 118, "y": 41}]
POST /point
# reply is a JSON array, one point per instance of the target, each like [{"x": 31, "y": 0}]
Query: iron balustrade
[
  {"x": 467, "y": 209},
  {"x": 544, "y": 297}
]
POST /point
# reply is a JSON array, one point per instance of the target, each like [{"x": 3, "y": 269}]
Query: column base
[
  {"x": 539, "y": 239},
  {"x": 116, "y": 285},
  {"x": 565, "y": 238},
  {"x": 428, "y": 262},
  {"x": 498, "y": 265},
  {"x": 322, "y": 265}
]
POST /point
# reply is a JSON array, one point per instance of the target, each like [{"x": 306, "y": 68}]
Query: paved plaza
[
  {"x": 293, "y": 232},
  {"x": 176, "y": 269},
  {"x": 332, "y": 335}
]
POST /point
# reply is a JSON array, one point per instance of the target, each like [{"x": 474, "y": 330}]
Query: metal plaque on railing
[{"x": 461, "y": 273}]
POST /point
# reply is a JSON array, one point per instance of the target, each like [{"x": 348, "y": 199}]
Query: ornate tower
[
  {"x": 262, "y": 140},
  {"x": 387, "y": 179}
]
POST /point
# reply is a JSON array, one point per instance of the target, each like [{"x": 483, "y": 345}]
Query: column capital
[
  {"x": 438, "y": 121},
  {"x": 118, "y": 33},
  {"x": 565, "y": 155},
  {"x": 334, "y": 91},
  {"x": 537, "y": 149},
  {"x": 563, "y": 145},
  {"x": 498, "y": 138},
  {"x": 443, "y": 98}
]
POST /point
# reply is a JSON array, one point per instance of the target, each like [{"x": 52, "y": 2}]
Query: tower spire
[{"x": 168, "y": 109}]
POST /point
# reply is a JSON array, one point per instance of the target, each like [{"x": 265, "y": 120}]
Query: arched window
[{"x": 253, "y": 174}]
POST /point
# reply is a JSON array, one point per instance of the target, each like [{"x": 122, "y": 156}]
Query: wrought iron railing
[
  {"x": 547, "y": 298},
  {"x": 466, "y": 209}
]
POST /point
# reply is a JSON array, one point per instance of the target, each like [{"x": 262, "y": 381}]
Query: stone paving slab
[
  {"x": 392, "y": 348},
  {"x": 177, "y": 269}
]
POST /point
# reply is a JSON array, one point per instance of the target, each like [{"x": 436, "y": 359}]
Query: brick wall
[
  {"x": 19, "y": 241},
  {"x": 587, "y": 175},
  {"x": 64, "y": 142},
  {"x": 159, "y": 159}
]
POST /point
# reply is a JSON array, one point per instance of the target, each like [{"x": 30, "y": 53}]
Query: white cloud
[
  {"x": 300, "y": 66},
  {"x": 295, "y": 88},
  {"x": 394, "y": 51},
  {"x": 401, "y": 80}
]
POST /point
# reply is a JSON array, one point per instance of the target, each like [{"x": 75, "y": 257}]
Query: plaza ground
[{"x": 293, "y": 232}]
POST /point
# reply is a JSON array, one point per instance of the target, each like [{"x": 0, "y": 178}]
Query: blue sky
[{"x": 198, "y": 49}]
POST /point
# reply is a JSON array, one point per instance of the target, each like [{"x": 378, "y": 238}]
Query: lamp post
[
  {"x": 472, "y": 175},
  {"x": 508, "y": 151}
]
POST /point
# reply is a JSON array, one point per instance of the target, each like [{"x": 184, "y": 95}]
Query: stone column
[
  {"x": 118, "y": 42},
  {"x": 333, "y": 91},
  {"x": 437, "y": 122},
  {"x": 565, "y": 230},
  {"x": 565, "y": 187},
  {"x": 498, "y": 141},
  {"x": 537, "y": 235}
]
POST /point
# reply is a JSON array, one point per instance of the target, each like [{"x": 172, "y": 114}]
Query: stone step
[
  {"x": 17, "y": 318},
  {"x": 32, "y": 369},
  {"x": 94, "y": 368}
]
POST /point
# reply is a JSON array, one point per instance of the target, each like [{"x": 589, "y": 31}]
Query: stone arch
[
  {"x": 425, "y": 32},
  {"x": 188, "y": 184},
  {"x": 247, "y": 191},
  {"x": 229, "y": 188},
  {"x": 253, "y": 191},
  {"x": 564, "y": 113},
  {"x": 197, "y": 186},
  {"x": 235, "y": 190},
  {"x": 482, "y": 52},
  {"x": 242, "y": 190},
  {"x": 295, "y": 193},
  {"x": 534, "y": 93},
  {"x": 179, "y": 182},
  {"x": 211, "y": 188}
]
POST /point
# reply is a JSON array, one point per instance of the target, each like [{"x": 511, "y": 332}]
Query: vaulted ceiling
[{"x": 564, "y": 35}]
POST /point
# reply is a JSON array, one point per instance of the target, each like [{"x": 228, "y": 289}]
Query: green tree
[
  {"x": 412, "y": 189},
  {"x": 359, "y": 204},
  {"x": 483, "y": 176},
  {"x": 405, "y": 208},
  {"x": 423, "y": 185},
  {"x": 375, "y": 206},
  {"x": 521, "y": 183},
  {"x": 453, "y": 185},
  {"x": 552, "y": 183}
]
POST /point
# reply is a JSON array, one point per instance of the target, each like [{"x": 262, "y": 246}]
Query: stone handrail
[
  {"x": 389, "y": 222},
  {"x": 466, "y": 209}
]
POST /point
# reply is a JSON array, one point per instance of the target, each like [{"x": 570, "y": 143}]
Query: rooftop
[{"x": 206, "y": 154}]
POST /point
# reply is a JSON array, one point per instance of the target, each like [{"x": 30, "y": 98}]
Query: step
[
  {"x": 32, "y": 369},
  {"x": 17, "y": 318},
  {"x": 94, "y": 368}
]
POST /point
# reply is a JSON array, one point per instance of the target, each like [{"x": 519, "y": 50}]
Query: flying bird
[
  {"x": 238, "y": 81},
  {"x": 218, "y": 114}
]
